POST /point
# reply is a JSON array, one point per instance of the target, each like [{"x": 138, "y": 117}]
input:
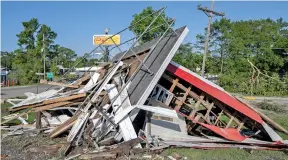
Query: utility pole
[
  {"x": 106, "y": 55},
  {"x": 44, "y": 57},
  {"x": 209, "y": 13}
]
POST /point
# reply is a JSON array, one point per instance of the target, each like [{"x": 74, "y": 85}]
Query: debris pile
[{"x": 142, "y": 101}]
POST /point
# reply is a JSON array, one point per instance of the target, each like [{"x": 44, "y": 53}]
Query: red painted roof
[{"x": 215, "y": 92}]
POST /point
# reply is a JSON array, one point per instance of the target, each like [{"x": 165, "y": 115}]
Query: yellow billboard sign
[{"x": 100, "y": 39}]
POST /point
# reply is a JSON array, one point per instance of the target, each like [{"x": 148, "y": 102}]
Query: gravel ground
[{"x": 25, "y": 147}]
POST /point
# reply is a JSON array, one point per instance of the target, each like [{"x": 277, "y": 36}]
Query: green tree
[
  {"x": 159, "y": 25},
  {"x": 26, "y": 38},
  {"x": 6, "y": 59},
  {"x": 45, "y": 41},
  {"x": 28, "y": 59},
  {"x": 262, "y": 41},
  {"x": 66, "y": 56},
  {"x": 187, "y": 58}
]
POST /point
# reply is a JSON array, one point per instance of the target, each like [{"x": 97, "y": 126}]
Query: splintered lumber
[
  {"x": 64, "y": 126},
  {"x": 38, "y": 120},
  {"x": 82, "y": 79},
  {"x": 79, "y": 122},
  {"x": 76, "y": 96},
  {"x": 43, "y": 81},
  {"x": 60, "y": 99},
  {"x": 50, "y": 106}
]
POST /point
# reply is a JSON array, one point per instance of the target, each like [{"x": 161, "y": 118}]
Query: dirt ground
[{"x": 27, "y": 147}]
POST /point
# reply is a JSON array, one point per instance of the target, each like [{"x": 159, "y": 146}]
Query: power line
[{"x": 209, "y": 13}]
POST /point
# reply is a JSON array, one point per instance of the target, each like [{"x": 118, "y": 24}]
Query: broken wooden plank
[
  {"x": 175, "y": 81},
  {"x": 183, "y": 99},
  {"x": 64, "y": 126},
  {"x": 43, "y": 81},
  {"x": 96, "y": 93},
  {"x": 38, "y": 120},
  {"x": 192, "y": 114},
  {"x": 91, "y": 83},
  {"x": 50, "y": 106},
  {"x": 72, "y": 97},
  {"x": 231, "y": 120},
  {"x": 68, "y": 98},
  {"x": 209, "y": 110},
  {"x": 79, "y": 81}
]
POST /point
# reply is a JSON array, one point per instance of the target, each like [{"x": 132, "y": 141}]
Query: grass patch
[
  {"x": 224, "y": 118},
  {"x": 20, "y": 97},
  {"x": 265, "y": 105},
  {"x": 226, "y": 154},
  {"x": 283, "y": 121},
  {"x": 4, "y": 112}
]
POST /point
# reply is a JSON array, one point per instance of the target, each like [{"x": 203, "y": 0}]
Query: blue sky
[{"x": 76, "y": 22}]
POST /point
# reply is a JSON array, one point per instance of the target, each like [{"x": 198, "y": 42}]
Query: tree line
[
  {"x": 34, "y": 41},
  {"x": 249, "y": 56}
]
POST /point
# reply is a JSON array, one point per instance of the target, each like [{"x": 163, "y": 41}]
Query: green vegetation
[
  {"x": 263, "y": 42},
  {"x": 265, "y": 105},
  {"x": 34, "y": 41},
  {"x": 157, "y": 28},
  {"x": 232, "y": 43},
  {"x": 226, "y": 154},
  {"x": 4, "y": 112}
]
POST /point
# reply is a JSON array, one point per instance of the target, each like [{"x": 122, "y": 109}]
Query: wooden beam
[
  {"x": 38, "y": 120},
  {"x": 230, "y": 121},
  {"x": 209, "y": 110},
  {"x": 60, "y": 99},
  {"x": 227, "y": 112},
  {"x": 175, "y": 82},
  {"x": 64, "y": 126},
  {"x": 179, "y": 85},
  {"x": 183, "y": 99},
  {"x": 43, "y": 81},
  {"x": 242, "y": 123},
  {"x": 192, "y": 114},
  {"x": 218, "y": 118},
  {"x": 72, "y": 97},
  {"x": 82, "y": 79},
  {"x": 196, "y": 97},
  {"x": 50, "y": 106}
]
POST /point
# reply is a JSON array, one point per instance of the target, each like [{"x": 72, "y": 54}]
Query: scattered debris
[{"x": 143, "y": 102}]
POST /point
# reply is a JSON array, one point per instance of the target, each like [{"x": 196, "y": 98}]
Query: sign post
[
  {"x": 99, "y": 39},
  {"x": 106, "y": 41}
]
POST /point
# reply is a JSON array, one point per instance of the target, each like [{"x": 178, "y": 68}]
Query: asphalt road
[{"x": 11, "y": 92}]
